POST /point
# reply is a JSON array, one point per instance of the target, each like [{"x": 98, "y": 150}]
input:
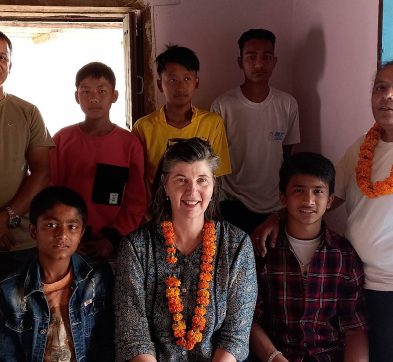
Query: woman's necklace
[
  {"x": 365, "y": 163},
  {"x": 187, "y": 340}
]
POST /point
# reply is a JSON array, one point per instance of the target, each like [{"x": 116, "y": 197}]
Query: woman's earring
[{"x": 167, "y": 198}]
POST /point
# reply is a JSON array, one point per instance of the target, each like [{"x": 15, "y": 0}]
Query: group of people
[{"x": 187, "y": 285}]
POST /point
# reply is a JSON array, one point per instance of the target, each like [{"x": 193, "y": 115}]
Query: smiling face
[
  {"x": 257, "y": 60},
  {"x": 189, "y": 187},
  {"x": 382, "y": 98},
  {"x": 178, "y": 84},
  {"x": 95, "y": 96},
  {"x": 58, "y": 232},
  {"x": 306, "y": 198},
  {"x": 5, "y": 61}
]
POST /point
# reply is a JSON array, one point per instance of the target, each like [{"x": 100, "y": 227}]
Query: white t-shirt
[
  {"x": 304, "y": 249},
  {"x": 370, "y": 221},
  {"x": 256, "y": 133}
]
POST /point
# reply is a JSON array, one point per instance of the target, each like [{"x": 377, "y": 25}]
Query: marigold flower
[
  {"x": 175, "y": 307},
  {"x": 179, "y": 333},
  {"x": 203, "y": 301},
  {"x": 207, "y": 258},
  {"x": 191, "y": 336},
  {"x": 199, "y": 310},
  {"x": 172, "y": 292},
  {"x": 171, "y": 259},
  {"x": 205, "y": 276},
  {"x": 177, "y": 316},
  {"x": 206, "y": 267},
  {"x": 203, "y": 293},
  {"x": 179, "y": 325},
  {"x": 171, "y": 250},
  {"x": 172, "y": 282},
  {"x": 198, "y": 322},
  {"x": 364, "y": 167},
  {"x": 187, "y": 340},
  {"x": 202, "y": 284},
  {"x": 189, "y": 345},
  {"x": 198, "y": 336}
]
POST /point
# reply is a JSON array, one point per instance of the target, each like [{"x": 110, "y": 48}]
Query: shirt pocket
[
  {"x": 19, "y": 323},
  {"x": 93, "y": 311}
]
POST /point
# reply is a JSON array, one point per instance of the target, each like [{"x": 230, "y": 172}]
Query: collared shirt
[
  {"x": 25, "y": 316},
  {"x": 311, "y": 320},
  {"x": 143, "y": 321},
  {"x": 156, "y": 134}
]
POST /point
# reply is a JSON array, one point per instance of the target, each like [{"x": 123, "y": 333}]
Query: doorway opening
[
  {"x": 46, "y": 58},
  {"x": 52, "y": 39}
]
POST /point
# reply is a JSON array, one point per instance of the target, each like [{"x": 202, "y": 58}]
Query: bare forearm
[
  {"x": 32, "y": 184},
  {"x": 143, "y": 358},
  {"x": 356, "y": 346},
  {"x": 38, "y": 161},
  {"x": 261, "y": 345},
  {"x": 220, "y": 355}
]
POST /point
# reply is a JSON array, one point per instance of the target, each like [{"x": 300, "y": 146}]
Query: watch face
[{"x": 14, "y": 221}]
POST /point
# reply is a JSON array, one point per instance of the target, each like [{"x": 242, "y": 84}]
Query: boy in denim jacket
[{"x": 59, "y": 307}]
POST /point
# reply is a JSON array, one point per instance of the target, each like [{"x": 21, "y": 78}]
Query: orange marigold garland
[
  {"x": 187, "y": 340},
  {"x": 364, "y": 167}
]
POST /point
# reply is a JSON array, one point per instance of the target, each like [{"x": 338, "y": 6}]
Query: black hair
[
  {"x": 7, "y": 39},
  {"x": 307, "y": 163},
  {"x": 180, "y": 55},
  {"x": 184, "y": 150},
  {"x": 250, "y": 34},
  {"x": 51, "y": 196},
  {"x": 382, "y": 67},
  {"x": 95, "y": 70}
]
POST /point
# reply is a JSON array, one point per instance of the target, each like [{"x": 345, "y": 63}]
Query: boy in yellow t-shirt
[{"x": 177, "y": 68}]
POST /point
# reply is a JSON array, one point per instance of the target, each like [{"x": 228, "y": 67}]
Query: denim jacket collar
[{"x": 80, "y": 269}]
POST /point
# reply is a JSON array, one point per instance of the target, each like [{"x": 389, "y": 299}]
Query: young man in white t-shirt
[{"x": 262, "y": 124}]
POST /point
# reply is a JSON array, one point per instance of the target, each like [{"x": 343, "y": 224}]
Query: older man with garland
[{"x": 365, "y": 182}]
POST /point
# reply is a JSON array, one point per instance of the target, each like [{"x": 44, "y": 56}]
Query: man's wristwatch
[{"x": 14, "y": 219}]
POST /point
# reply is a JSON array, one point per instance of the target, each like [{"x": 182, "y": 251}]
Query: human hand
[
  {"x": 269, "y": 229},
  {"x": 100, "y": 248}
]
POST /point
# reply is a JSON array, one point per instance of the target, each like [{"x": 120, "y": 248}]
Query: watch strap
[{"x": 14, "y": 218}]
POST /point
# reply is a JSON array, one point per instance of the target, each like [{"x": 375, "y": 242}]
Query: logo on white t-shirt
[{"x": 276, "y": 136}]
